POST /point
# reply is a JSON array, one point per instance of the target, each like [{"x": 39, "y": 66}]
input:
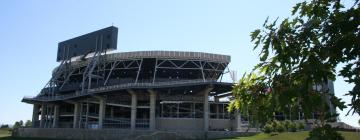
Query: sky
[{"x": 31, "y": 30}]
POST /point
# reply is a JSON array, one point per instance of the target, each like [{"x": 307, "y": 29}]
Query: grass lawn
[
  {"x": 6, "y": 135},
  {"x": 293, "y": 136}
]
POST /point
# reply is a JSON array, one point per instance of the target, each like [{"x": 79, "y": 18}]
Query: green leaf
[
  {"x": 295, "y": 8},
  {"x": 254, "y": 34}
]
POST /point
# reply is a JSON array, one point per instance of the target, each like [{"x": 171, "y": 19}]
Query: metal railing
[
  {"x": 198, "y": 114},
  {"x": 65, "y": 124},
  {"x": 142, "y": 123},
  {"x": 221, "y": 116},
  {"x": 161, "y": 54},
  {"x": 117, "y": 123}
]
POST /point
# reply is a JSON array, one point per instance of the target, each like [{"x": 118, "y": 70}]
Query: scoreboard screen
[{"x": 100, "y": 40}]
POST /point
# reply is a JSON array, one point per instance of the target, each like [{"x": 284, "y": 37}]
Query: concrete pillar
[
  {"x": 206, "y": 111},
  {"x": 76, "y": 115},
  {"x": 42, "y": 121},
  {"x": 152, "y": 125},
  {"x": 133, "y": 111},
  {"x": 87, "y": 114},
  {"x": 216, "y": 99},
  {"x": 102, "y": 107},
  {"x": 238, "y": 121},
  {"x": 56, "y": 116},
  {"x": 111, "y": 112},
  {"x": 35, "y": 117}
]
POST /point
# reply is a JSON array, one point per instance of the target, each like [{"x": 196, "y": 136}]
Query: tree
[
  {"x": 252, "y": 98},
  {"x": 28, "y": 123},
  {"x": 300, "y": 54},
  {"x": 306, "y": 50},
  {"x": 17, "y": 125},
  {"x": 21, "y": 123},
  {"x": 4, "y": 126}
]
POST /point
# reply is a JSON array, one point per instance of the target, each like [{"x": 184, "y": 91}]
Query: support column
[
  {"x": 152, "y": 123},
  {"x": 56, "y": 116},
  {"x": 216, "y": 99},
  {"x": 42, "y": 121},
  {"x": 86, "y": 114},
  {"x": 102, "y": 107},
  {"x": 76, "y": 115},
  {"x": 238, "y": 121},
  {"x": 111, "y": 112},
  {"x": 133, "y": 110},
  {"x": 206, "y": 109},
  {"x": 35, "y": 117}
]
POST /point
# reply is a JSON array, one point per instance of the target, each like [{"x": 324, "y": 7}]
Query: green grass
[
  {"x": 351, "y": 135},
  {"x": 290, "y": 136},
  {"x": 293, "y": 136},
  {"x": 260, "y": 136},
  {"x": 5, "y": 134}
]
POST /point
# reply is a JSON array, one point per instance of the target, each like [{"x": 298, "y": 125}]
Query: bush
[
  {"x": 293, "y": 127},
  {"x": 274, "y": 124},
  {"x": 278, "y": 126},
  {"x": 268, "y": 128},
  {"x": 282, "y": 126},
  {"x": 301, "y": 126},
  {"x": 287, "y": 124},
  {"x": 324, "y": 133}
]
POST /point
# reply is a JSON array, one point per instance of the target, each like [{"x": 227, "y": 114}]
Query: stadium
[
  {"x": 142, "y": 90},
  {"x": 96, "y": 93}
]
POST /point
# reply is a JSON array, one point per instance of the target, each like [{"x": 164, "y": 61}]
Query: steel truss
[
  {"x": 99, "y": 71},
  {"x": 215, "y": 69}
]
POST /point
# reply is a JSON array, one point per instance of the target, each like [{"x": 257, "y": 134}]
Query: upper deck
[{"x": 140, "y": 69}]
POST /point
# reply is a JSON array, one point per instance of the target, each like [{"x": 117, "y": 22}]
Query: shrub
[
  {"x": 287, "y": 124},
  {"x": 324, "y": 133},
  {"x": 292, "y": 127},
  {"x": 301, "y": 126},
  {"x": 282, "y": 126},
  {"x": 274, "y": 124},
  {"x": 268, "y": 128},
  {"x": 278, "y": 126}
]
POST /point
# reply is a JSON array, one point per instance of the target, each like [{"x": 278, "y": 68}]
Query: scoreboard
[{"x": 97, "y": 41}]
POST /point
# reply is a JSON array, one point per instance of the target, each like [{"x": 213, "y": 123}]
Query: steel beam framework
[{"x": 99, "y": 71}]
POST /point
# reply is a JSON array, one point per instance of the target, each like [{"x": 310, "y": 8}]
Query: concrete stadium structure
[
  {"x": 154, "y": 90},
  {"x": 135, "y": 93}
]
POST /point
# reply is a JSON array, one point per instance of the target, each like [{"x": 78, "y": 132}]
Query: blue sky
[{"x": 30, "y": 31}]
